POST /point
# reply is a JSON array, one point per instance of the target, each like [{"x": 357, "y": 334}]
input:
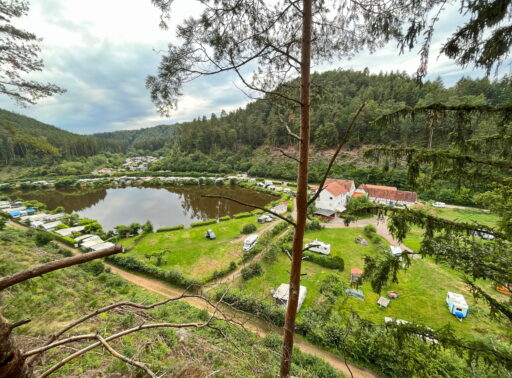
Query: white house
[
  {"x": 387, "y": 195},
  {"x": 282, "y": 292},
  {"x": 335, "y": 195}
]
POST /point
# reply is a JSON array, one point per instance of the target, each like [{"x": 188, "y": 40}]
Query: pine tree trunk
[
  {"x": 12, "y": 364},
  {"x": 302, "y": 195}
]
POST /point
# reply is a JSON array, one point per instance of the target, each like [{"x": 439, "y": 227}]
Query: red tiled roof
[
  {"x": 356, "y": 271},
  {"x": 393, "y": 194},
  {"x": 337, "y": 187},
  {"x": 357, "y": 194},
  {"x": 369, "y": 186}
]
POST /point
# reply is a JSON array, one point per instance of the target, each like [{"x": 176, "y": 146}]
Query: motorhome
[
  {"x": 319, "y": 247},
  {"x": 250, "y": 242},
  {"x": 457, "y": 305}
]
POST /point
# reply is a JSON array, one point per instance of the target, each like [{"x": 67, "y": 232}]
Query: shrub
[
  {"x": 42, "y": 238},
  {"x": 248, "y": 228},
  {"x": 64, "y": 252},
  {"x": 63, "y": 239},
  {"x": 257, "y": 307},
  {"x": 203, "y": 223},
  {"x": 257, "y": 212},
  {"x": 369, "y": 230},
  {"x": 225, "y": 218},
  {"x": 252, "y": 270},
  {"x": 241, "y": 215},
  {"x": 332, "y": 287},
  {"x": 314, "y": 225},
  {"x": 222, "y": 272},
  {"x": 271, "y": 256},
  {"x": 94, "y": 267},
  {"x": 173, "y": 228},
  {"x": 331, "y": 262}
]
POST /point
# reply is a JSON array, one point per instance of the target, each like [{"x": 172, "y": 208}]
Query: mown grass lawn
[
  {"x": 422, "y": 287},
  {"x": 467, "y": 214},
  {"x": 190, "y": 252}
]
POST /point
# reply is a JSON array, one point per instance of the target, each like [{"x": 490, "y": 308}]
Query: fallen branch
[
  {"x": 116, "y": 354},
  {"x": 56, "y": 265}
]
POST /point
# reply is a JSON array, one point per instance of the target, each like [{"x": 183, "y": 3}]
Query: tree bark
[
  {"x": 12, "y": 364},
  {"x": 302, "y": 187}
]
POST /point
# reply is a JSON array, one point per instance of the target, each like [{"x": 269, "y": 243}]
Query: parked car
[
  {"x": 264, "y": 219},
  {"x": 210, "y": 234},
  {"x": 439, "y": 204}
]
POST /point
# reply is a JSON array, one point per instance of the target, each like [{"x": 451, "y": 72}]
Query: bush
[
  {"x": 93, "y": 267},
  {"x": 314, "y": 225},
  {"x": 225, "y": 218},
  {"x": 331, "y": 262},
  {"x": 248, "y": 228},
  {"x": 271, "y": 256},
  {"x": 173, "y": 228},
  {"x": 369, "y": 230},
  {"x": 203, "y": 223},
  {"x": 172, "y": 276},
  {"x": 63, "y": 239},
  {"x": 42, "y": 238},
  {"x": 222, "y": 272},
  {"x": 241, "y": 215},
  {"x": 257, "y": 307},
  {"x": 257, "y": 212},
  {"x": 252, "y": 270}
]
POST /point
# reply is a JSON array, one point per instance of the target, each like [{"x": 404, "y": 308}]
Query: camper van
[
  {"x": 250, "y": 242},
  {"x": 457, "y": 305},
  {"x": 319, "y": 247}
]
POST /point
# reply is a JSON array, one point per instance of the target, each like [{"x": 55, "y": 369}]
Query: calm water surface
[{"x": 163, "y": 206}]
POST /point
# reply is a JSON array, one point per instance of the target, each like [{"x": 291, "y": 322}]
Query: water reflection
[{"x": 164, "y": 206}]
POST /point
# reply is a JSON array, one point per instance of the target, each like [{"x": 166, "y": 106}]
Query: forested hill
[
  {"x": 336, "y": 97},
  {"x": 26, "y": 140},
  {"x": 147, "y": 139}
]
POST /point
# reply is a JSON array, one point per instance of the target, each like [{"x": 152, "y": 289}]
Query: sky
[{"x": 101, "y": 52}]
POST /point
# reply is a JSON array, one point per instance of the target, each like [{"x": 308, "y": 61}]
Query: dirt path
[{"x": 251, "y": 324}]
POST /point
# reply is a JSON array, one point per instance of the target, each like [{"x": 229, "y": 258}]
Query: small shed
[
  {"x": 383, "y": 302},
  {"x": 101, "y": 246},
  {"x": 281, "y": 295},
  {"x": 355, "y": 274},
  {"x": 457, "y": 305},
  {"x": 325, "y": 213},
  {"x": 50, "y": 226}
]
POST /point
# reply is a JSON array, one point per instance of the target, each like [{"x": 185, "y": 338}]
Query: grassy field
[
  {"x": 54, "y": 301},
  {"x": 422, "y": 288},
  {"x": 190, "y": 252},
  {"x": 467, "y": 214}
]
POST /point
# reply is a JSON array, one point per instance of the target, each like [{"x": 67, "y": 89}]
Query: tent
[{"x": 282, "y": 292}]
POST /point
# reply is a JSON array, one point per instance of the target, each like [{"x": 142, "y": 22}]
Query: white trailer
[
  {"x": 457, "y": 305},
  {"x": 250, "y": 242},
  {"x": 319, "y": 247}
]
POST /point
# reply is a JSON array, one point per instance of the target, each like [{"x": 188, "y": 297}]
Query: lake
[{"x": 163, "y": 206}]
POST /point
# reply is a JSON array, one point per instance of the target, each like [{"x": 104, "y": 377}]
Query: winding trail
[{"x": 251, "y": 324}]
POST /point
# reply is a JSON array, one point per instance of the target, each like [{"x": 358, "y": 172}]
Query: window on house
[{"x": 330, "y": 197}]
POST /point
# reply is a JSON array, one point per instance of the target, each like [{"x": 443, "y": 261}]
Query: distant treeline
[{"x": 26, "y": 141}]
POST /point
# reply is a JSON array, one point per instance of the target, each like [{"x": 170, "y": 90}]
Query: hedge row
[
  {"x": 242, "y": 215},
  {"x": 225, "y": 218},
  {"x": 221, "y": 272},
  {"x": 257, "y": 212},
  {"x": 173, "y": 228},
  {"x": 203, "y": 223},
  {"x": 261, "y": 309},
  {"x": 331, "y": 262},
  {"x": 64, "y": 239},
  {"x": 172, "y": 276}
]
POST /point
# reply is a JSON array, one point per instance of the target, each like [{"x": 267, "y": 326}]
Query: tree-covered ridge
[
  {"x": 27, "y": 141},
  {"x": 263, "y": 122},
  {"x": 147, "y": 139}
]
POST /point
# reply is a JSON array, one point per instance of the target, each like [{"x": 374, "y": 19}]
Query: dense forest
[{"x": 26, "y": 141}]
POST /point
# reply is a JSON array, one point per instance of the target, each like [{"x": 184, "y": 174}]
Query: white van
[
  {"x": 250, "y": 242},
  {"x": 319, "y": 247},
  {"x": 439, "y": 204}
]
